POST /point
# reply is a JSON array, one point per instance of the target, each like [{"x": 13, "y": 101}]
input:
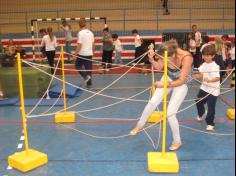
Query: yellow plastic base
[
  {"x": 26, "y": 161},
  {"x": 163, "y": 163},
  {"x": 155, "y": 117},
  {"x": 65, "y": 117},
  {"x": 231, "y": 114}
]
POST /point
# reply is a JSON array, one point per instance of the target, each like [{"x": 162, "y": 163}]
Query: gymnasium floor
[{"x": 72, "y": 153}]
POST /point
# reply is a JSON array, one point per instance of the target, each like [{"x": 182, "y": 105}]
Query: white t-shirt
[
  {"x": 49, "y": 45},
  {"x": 86, "y": 39},
  {"x": 198, "y": 38},
  {"x": 232, "y": 53},
  {"x": 192, "y": 46},
  {"x": 210, "y": 71},
  {"x": 137, "y": 42},
  {"x": 118, "y": 45}
]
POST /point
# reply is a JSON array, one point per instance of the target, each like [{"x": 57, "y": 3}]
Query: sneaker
[
  {"x": 210, "y": 128},
  {"x": 175, "y": 147},
  {"x": 135, "y": 131},
  {"x": 88, "y": 79},
  {"x": 200, "y": 119}
]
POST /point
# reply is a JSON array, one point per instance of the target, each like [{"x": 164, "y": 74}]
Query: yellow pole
[
  {"x": 63, "y": 77},
  {"x": 165, "y": 104},
  {"x": 22, "y": 102},
  {"x": 153, "y": 81}
]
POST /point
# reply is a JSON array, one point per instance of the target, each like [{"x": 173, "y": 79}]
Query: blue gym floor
[{"x": 72, "y": 153}]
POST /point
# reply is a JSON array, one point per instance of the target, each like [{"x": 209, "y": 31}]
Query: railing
[{"x": 127, "y": 19}]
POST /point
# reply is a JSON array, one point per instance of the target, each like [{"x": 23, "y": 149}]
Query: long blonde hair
[
  {"x": 219, "y": 45},
  {"x": 170, "y": 46},
  {"x": 51, "y": 35}
]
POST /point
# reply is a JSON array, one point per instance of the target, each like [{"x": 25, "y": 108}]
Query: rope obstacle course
[{"x": 168, "y": 159}]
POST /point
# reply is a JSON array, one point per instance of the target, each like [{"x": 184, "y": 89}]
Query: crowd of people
[{"x": 225, "y": 50}]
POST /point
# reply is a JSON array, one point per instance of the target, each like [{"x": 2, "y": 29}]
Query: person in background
[
  {"x": 2, "y": 56},
  {"x": 43, "y": 32},
  {"x": 219, "y": 56},
  {"x": 68, "y": 38},
  {"x": 2, "y": 53},
  {"x": 232, "y": 53},
  {"x": 137, "y": 44},
  {"x": 198, "y": 39},
  {"x": 84, "y": 52},
  {"x": 118, "y": 49},
  {"x": 49, "y": 41},
  {"x": 165, "y": 6},
  {"x": 209, "y": 71},
  {"x": 108, "y": 48},
  {"x": 11, "y": 48},
  {"x": 10, "y": 51},
  {"x": 192, "y": 44},
  {"x": 226, "y": 49}
]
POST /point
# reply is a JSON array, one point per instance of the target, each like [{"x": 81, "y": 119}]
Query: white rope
[
  {"x": 112, "y": 97},
  {"x": 188, "y": 107},
  {"x": 113, "y": 68},
  {"x": 150, "y": 139},
  {"x": 96, "y": 70},
  {"x": 116, "y": 103},
  {"x": 113, "y": 119},
  {"x": 89, "y": 110},
  {"x": 47, "y": 91},
  {"x": 94, "y": 136},
  {"x": 97, "y": 93},
  {"x": 131, "y": 119},
  {"x": 123, "y": 136},
  {"x": 202, "y": 83},
  {"x": 148, "y": 127},
  {"x": 54, "y": 104}
]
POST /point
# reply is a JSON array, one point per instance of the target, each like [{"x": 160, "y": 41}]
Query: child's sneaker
[
  {"x": 88, "y": 79},
  {"x": 200, "y": 119},
  {"x": 210, "y": 128}
]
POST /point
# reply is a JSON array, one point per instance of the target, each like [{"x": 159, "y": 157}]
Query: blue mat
[
  {"x": 71, "y": 92},
  {"x": 44, "y": 102},
  {"x": 15, "y": 101},
  {"x": 9, "y": 101}
]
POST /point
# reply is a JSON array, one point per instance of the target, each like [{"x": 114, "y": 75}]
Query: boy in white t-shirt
[
  {"x": 118, "y": 49},
  {"x": 210, "y": 88}
]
